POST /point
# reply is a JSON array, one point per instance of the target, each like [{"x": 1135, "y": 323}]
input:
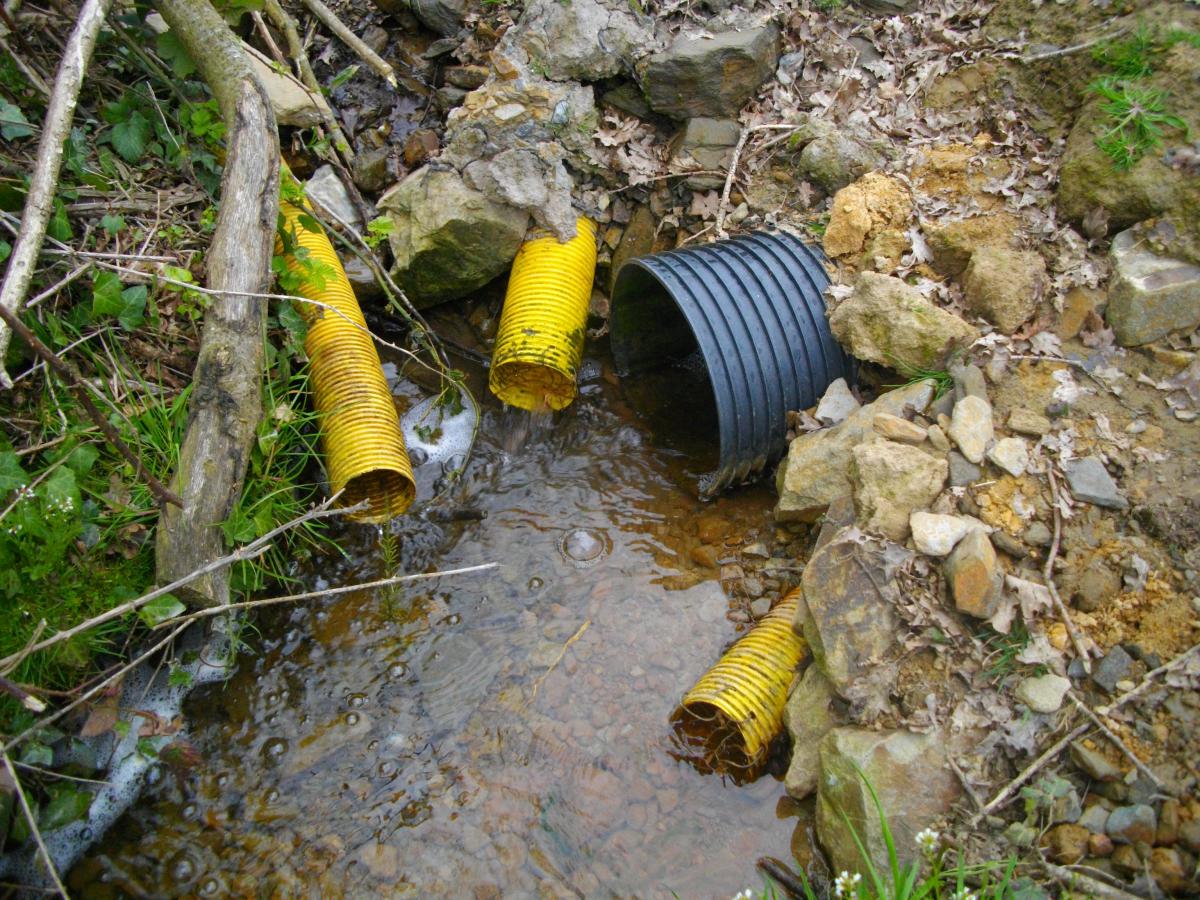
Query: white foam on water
[
  {"x": 437, "y": 442},
  {"x": 145, "y": 689}
]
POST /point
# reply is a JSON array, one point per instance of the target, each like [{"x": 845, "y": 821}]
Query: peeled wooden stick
[
  {"x": 352, "y": 40},
  {"x": 39, "y": 202}
]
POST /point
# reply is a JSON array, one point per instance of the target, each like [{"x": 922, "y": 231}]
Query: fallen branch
[
  {"x": 1090, "y": 886},
  {"x": 1048, "y": 575},
  {"x": 252, "y": 550},
  {"x": 328, "y": 592},
  {"x": 39, "y": 202},
  {"x": 379, "y": 66},
  {"x": 83, "y": 392},
  {"x": 732, "y": 170},
  {"x": 33, "y": 826},
  {"x": 226, "y": 402}
]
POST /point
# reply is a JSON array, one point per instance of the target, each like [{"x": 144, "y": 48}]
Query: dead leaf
[{"x": 102, "y": 717}]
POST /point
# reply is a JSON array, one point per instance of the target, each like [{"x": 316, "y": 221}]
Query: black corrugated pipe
[{"x": 753, "y": 308}]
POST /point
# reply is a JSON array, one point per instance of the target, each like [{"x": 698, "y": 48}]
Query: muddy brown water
[{"x": 498, "y": 734}]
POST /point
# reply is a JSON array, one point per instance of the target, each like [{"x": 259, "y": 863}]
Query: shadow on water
[{"x": 503, "y": 734}]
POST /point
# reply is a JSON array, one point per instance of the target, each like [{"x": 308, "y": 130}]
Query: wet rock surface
[{"x": 1151, "y": 296}]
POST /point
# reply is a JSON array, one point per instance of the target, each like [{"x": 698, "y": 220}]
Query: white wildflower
[
  {"x": 927, "y": 840},
  {"x": 964, "y": 894},
  {"x": 846, "y": 884}
]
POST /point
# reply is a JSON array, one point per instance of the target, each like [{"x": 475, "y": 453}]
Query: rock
[
  {"x": 1168, "y": 870},
  {"x": 710, "y": 75},
  {"x": 448, "y": 239},
  {"x": 837, "y": 403},
  {"x": 325, "y": 188},
  {"x": 962, "y": 470},
  {"x": 939, "y": 441},
  {"x": 887, "y": 321},
  {"x": 1094, "y": 818},
  {"x": 846, "y": 617},
  {"x": 419, "y": 146},
  {"x": 891, "y": 480},
  {"x": 293, "y": 103},
  {"x": 708, "y": 144},
  {"x": 971, "y": 427},
  {"x": 937, "y": 535},
  {"x": 1005, "y": 543},
  {"x": 808, "y": 716},
  {"x": 466, "y": 77},
  {"x": 1094, "y": 764},
  {"x": 381, "y": 860},
  {"x": 1132, "y": 824},
  {"x": 1125, "y": 859},
  {"x": 832, "y": 157},
  {"x": 1088, "y": 180},
  {"x": 638, "y": 240},
  {"x": 883, "y": 251},
  {"x": 897, "y": 429},
  {"x": 816, "y": 469},
  {"x": 1038, "y": 535},
  {"x": 1168, "y": 823},
  {"x": 760, "y": 606},
  {"x": 1044, "y": 693},
  {"x": 522, "y": 179},
  {"x": 971, "y": 572},
  {"x": 1078, "y": 305},
  {"x": 442, "y": 16},
  {"x": 757, "y": 550},
  {"x": 370, "y": 170},
  {"x": 952, "y": 245},
  {"x": 1096, "y": 588},
  {"x": 892, "y": 762},
  {"x": 874, "y": 203},
  {"x": 1149, "y": 296},
  {"x": 968, "y": 381},
  {"x": 1010, "y": 454},
  {"x": 1023, "y": 420},
  {"x": 361, "y": 278},
  {"x": 1100, "y": 845},
  {"x": 1067, "y": 844},
  {"x": 1090, "y": 481},
  {"x": 583, "y": 40},
  {"x": 711, "y": 529},
  {"x": 1113, "y": 668},
  {"x": 705, "y": 556},
  {"x": 1004, "y": 286},
  {"x": 1189, "y": 835}
]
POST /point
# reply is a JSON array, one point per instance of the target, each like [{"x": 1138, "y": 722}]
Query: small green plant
[
  {"x": 1003, "y": 650},
  {"x": 943, "y": 380},
  {"x": 1130, "y": 58},
  {"x": 829, "y": 5},
  {"x": 1138, "y": 115}
]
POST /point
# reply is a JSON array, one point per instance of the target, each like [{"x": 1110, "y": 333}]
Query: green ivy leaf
[
  {"x": 112, "y": 224},
  {"x": 12, "y": 476},
  {"x": 160, "y": 609},
  {"x": 59, "y": 226},
  {"x": 65, "y": 806},
  {"x": 13, "y": 123},
  {"x": 168, "y": 47},
  {"x": 5, "y": 250},
  {"x": 129, "y": 137},
  {"x": 127, "y": 305},
  {"x": 37, "y": 754}
]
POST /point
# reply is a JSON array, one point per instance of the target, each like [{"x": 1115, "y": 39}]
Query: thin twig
[
  {"x": 39, "y": 202},
  {"x": 78, "y": 386},
  {"x": 732, "y": 171},
  {"x": 967, "y": 786},
  {"x": 328, "y": 592},
  {"x": 252, "y": 550},
  {"x": 1120, "y": 744},
  {"x": 1074, "y": 48},
  {"x": 352, "y": 40},
  {"x": 557, "y": 659},
  {"x": 1091, "y": 887},
  {"x": 1048, "y": 575},
  {"x": 33, "y": 826},
  {"x": 30, "y": 702}
]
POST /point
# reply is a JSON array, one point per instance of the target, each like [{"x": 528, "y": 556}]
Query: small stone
[
  {"x": 892, "y": 480},
  {"x": 753, "y": 587},
  {"x": 1168, "y": 823},
  {"x": 1010, "y": 454},
  {"x": 705, "y": 143},
  {"x": 1090, "y": 481},
  {"x": 329, "y": 193},
  {"x": 936, "y": 535},
  {"x": 962, "y": 471},
  {"x": 370, "y": 170},
  {"x": 836, "y": 404},
  {"x": 1005, "y": 543},
  {"x": 870, "y": 206},
  {"x": 419, "y": 146},
  {"x": 1094, "y": 818},
  {"x": 466, "y": 77},
  {"x": 1067, "y": 843},
  {"x": 1044, "y": 693},
  {"x": 758, "y": 550},
  {"x": 1132, "y": 824},
  {"x": 1167, "y": 868},
  {"x": 1038, "y": 534},
  {"x": 711, "y": 529},
  {"x": 895, "y": 428},
  {"x": 938, "y": 439},
  {"x": 1100, "y": 845},
  {"x": 1125, "y": 859},
  {"x": 971, "y": 427},
  {"x": 705, "y": 556},
  {"x": 1026, "y": 421},
  {"x": 968, "y": 382},
  {"x": 1189, "y": 835},
  {"x": 1150, "y": 296},
  {"x": 1094, "y": 764},
  {"x": 971, "y": 573},
  {"x": 1113, "y": 668},
  {"x": 1004, "y": 286},
  {"x": 1078, "y": 305},
  {"x": 760, "y": 607},
  {"x": 1096, "y": 588}
]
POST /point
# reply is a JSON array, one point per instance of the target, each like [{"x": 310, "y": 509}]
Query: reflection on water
[{"x": 503, "y": 734}]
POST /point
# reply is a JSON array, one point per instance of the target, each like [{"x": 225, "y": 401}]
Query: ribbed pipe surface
[
  {"x": 360, "y": 430},
  {"x": 753, "y": 306}
]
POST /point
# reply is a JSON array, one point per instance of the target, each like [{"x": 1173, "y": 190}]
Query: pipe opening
[
  {"x": 384, "y": 490},
  {"x": 532, "y": 386}
]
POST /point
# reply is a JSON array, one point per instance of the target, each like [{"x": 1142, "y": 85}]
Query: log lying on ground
[{"x": 226, "y": 402}]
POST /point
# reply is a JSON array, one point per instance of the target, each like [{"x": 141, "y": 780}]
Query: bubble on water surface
[
  {"x": 536, "y": 584},
  {"x": 584, "y": 547},
  {"x": 272, "y": 751}
]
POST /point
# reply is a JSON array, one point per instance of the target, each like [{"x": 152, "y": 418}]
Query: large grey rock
[
  {"x": 848, "y": 615},
  {"x": 1150, "y": 296},
  {"x": 710, "y": 74},
  {"x": 1004, "y": 286},
  {"x": 953, "y": 243},
  {"x": 292, "y": 103},
  {"x": 442, "y": 16},
  {"x": 584, "y": 40},
  {"x": 448, "y": 239},
  {"x": 808, "y": 716},
  {"x": 1090, "y": 481},
  {"x": 909, "y": 774},
  {"x": 833, "y": 157},
  {"x": 534, "y": 181},
  {"x": 891, "y": 480},
  {"x": 328, "y": 191},
  {"x": 708, "y": 144},
  {"x": 816, "y": 470},
  {"x": 887, "y": 321}
]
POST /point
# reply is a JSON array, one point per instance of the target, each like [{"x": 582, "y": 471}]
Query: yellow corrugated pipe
[
  {"x": 360, "y": 430},
  {"x": 540, "y": 341},
  {"x": 741, "y": 698}
]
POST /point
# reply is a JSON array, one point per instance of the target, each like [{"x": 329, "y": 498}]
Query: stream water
[{"x": 505, "y": 733}]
